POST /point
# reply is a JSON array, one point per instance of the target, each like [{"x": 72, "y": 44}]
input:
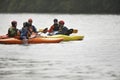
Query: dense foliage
[{"x": 60, "y": 6}]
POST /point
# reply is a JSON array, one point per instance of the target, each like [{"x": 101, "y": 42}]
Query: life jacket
[
  {"x": 34, "y": 29},
  {"x": 56, "y": 27},
  {"x": 12, "y": 32},
  {"x": 63, "y": 30},
  {"x": 24, "y": 33}
]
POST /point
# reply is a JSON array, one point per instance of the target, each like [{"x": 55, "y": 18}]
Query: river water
[{"x": 97, "y": 57}]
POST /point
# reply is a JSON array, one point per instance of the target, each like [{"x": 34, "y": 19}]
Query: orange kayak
[{"x": 31, "y": 41}]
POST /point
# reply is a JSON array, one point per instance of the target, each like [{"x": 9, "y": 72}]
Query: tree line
[{"x": 60, "y": 6}]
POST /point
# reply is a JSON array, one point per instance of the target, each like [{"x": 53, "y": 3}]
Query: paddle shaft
[{"x": 42, "y": 30}]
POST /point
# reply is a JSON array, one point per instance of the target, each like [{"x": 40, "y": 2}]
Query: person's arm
[
  {"x": 18, "y": 32},
  {"x": 34, "y": 29},
  {"x": 51, "y": 29},
  {"x": 64, "y": 30}
]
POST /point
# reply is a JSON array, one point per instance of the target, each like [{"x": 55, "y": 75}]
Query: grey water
[{"x": 97, "y": 57}]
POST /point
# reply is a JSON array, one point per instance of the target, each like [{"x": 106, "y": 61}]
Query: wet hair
[
  {"x": 55, "y": 20},
  {"x": 26, "y": 24},
  {"x": 14, "y": 23}
]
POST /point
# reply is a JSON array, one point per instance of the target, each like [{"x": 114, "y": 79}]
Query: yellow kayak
[{"x": 68, "y": 38}]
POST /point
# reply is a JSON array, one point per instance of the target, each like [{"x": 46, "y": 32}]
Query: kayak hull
[
  {"x": 30, "y": 41},
  {"x": 68, "y": 38}
]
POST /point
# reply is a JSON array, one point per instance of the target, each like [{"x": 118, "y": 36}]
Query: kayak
[
  {"x": 31, "y": 41},
  {"x": 68, "y": 38}
]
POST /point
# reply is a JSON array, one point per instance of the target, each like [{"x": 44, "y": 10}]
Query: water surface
[{"x": 96, "y": 57}]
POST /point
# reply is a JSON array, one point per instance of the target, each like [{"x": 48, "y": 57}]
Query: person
[
  {"x": 25, "y": 33},
  {"x": 13, "y": 31},
  {"x": 54, "y": 28},
  {"x": 32, "y": 27},
  {"x": 63, "y": 29}
]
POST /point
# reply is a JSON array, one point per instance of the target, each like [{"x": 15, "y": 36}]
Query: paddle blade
[
  {"x": 75, "y": 31},
  {"x": 40, "y": 30},
  {"x": 45, "y": 30}
]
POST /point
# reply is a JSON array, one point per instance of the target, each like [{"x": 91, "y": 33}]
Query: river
[{"x": 97, "y": 57}]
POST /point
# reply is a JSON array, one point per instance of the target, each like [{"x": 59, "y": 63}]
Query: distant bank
[{"x": 60, "y": 6}]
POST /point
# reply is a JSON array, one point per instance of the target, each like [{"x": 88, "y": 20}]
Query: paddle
[
  {"x": 46, "y": 30},
  {"x": 75, "y": 31}
]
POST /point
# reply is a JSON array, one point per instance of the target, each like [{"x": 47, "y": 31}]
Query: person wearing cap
[
  {"x": 63, "y": 29},
  {"x": 13, "y": 31},
  {"x": 54, "y": 28}
]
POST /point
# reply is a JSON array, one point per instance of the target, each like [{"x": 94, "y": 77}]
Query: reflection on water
[{"x": 95, "y": 58}]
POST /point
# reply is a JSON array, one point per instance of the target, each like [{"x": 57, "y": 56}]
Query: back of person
[
  {"x": 25, "y": 31},
  {"x": 63, "y": 29},
  {"x": 13, "y": 31}
]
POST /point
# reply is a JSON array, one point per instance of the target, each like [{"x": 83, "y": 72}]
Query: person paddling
[
  {"x": 54, "y": 28},
  {"x": 63, "y": 29},
  {"x": 32, "y": 29}
]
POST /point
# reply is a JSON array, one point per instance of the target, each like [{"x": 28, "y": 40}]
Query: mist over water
[{"x": 96, "y": 57}]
